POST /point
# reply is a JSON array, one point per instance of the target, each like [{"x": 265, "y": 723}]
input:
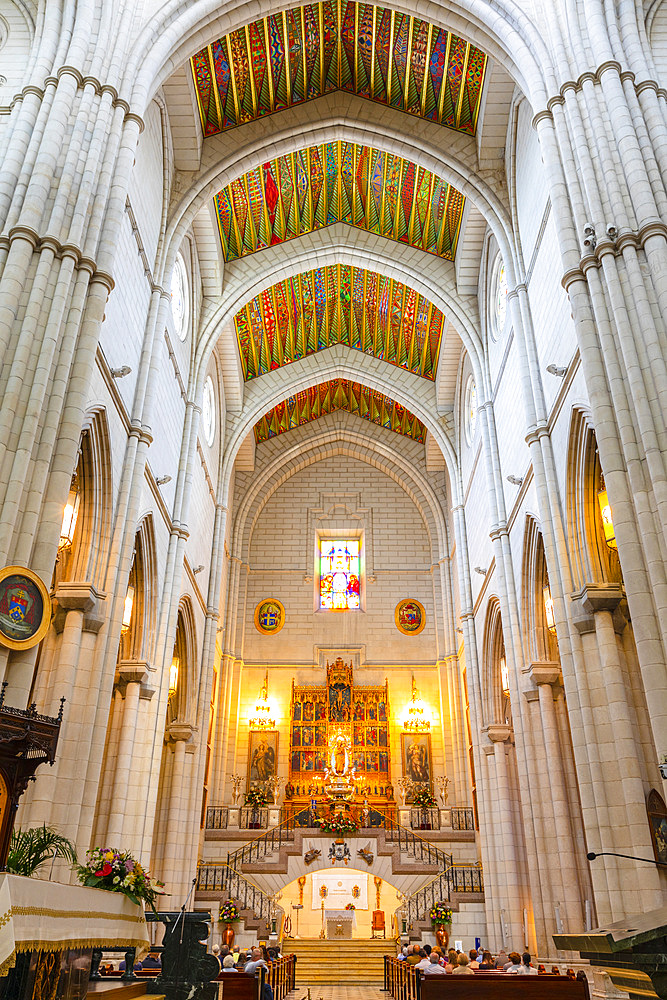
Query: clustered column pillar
[{"x": 510, "y": 890}]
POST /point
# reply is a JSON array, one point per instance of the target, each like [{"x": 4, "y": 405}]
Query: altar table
[{"x": 340, "y": 923}]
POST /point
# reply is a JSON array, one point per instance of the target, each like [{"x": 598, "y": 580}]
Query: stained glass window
[
  {"x": 339, "y": 574},
  {"x": 179, "y": 298},
  {"x": 470, "y": 410},
  {"x": 498, "y": 298},
  {"x": 208, "y": 411}
]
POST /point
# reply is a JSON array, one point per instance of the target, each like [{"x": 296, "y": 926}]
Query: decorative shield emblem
[
  {"x": 269, "y": 616},
  {"x": 339, "y": 851},
  {"x": 19, "y": 604},
  {"x": 410, "y": 617}
]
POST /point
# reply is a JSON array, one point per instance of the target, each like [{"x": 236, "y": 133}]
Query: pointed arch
[
  {"x": 539, "y": 643},
  {"x": 495, "y": 703}
]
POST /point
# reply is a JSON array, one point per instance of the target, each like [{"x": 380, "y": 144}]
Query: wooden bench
[
  {"x": 238, "y": 986},
  {"x": 501, "y": 986}
]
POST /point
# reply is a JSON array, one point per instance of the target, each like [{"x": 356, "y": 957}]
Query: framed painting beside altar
[
  {"x": 262, "y": 755},
  {"x": 416, "y": 757}
]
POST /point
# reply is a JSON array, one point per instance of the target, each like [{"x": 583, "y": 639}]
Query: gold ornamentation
[
  {"x": 25, "y": 608},
  {"x": 269, "y": 616},
  {"x": 409, "y": 616}
]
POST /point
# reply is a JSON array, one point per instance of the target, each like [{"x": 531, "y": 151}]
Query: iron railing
[
  {"x": 254, "y": 818},
  {"x": 425, "y": 819},
  {"x": 217, "y": 817},
  {"x": 267, "y": 843},
  {"x": 455, "y": 879},
  {"x": 244, "y": 892},
  {"x": 416, "y": 847},
  {"x": 462, "y": 818}
]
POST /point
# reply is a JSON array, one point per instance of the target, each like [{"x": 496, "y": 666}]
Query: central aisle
[
  {"x": 343, "y": 992},
  {"x": 338, "y": 963}
]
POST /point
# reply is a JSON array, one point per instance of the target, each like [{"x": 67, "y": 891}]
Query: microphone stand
[
  {"x": 181, "y": 915},
  {"x": 647, "y": 861}
]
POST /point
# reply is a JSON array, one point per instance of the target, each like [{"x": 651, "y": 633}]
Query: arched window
[
  {"x": 180, "y": 298},
  {"x": 498, "y": 298},
  {"x": 538, "y": 608},
  {"x": 470, "y": 410},
  {"x": 498, "y": 705},
  {"x": 208, "y": 411}
]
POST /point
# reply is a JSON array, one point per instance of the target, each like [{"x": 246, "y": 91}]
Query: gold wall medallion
[
  {"x": 25, "y": 608},
  {"x": 269, "y": 616},
  {"x": 410, "y": 616}
]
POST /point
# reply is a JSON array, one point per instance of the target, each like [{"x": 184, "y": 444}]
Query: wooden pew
[
  {"x": 238, "y": 986},
  {"x": 500, "y": 986}
]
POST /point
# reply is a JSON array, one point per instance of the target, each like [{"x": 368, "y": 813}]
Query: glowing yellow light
[
  {"x": 70, "y": 514},
  {"x": 127, "y": 609},
  {"x": 263, "y": 717},
  {"x": 607, "y": 521},
  {"x": 416, "y": 719},
  {"x": 504, "y": 675},
  {"x": 549, "y": 608},
  {"x": 173, "y": 676}
]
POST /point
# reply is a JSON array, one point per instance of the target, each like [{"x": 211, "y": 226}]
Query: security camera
[{"x": 663, "y": 769}]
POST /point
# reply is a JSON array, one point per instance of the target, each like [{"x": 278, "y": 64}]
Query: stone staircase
[{"x": 355, "y": 961}]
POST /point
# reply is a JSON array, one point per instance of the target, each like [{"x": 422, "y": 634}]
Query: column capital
[
  {"x": 500, "y": 733},
  {"x": 545, "y": 672},
  {"x": 600, "y": 597},
  {"x": 78, "y": 595},
  {"x": 133, "y": 672},
  {"x": 180, "y": 732}
]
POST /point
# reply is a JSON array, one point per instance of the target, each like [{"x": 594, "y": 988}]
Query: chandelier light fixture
[
  {"x": 263, "y": 716},
  {"x": 605, "y": 511},
  {"x": 416, "y": 719}
]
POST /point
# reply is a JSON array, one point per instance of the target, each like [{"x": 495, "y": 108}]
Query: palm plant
[{"x": 30, "y": 849}]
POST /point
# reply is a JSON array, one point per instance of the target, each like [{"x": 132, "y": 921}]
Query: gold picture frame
[
  {"x": 269, "y": 616},
  {"x": 25, "y": 608},
  {"x": 262, "y": 755},
  {"x": 418, "y": 762},
  {"x": 657, "y": 821},
  {"x": 410, "y": 616}
]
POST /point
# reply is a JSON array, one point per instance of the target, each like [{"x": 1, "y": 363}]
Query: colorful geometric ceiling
[
  {"x": 339, "y": 304},
  {"x": 339, "y": 394},
  {"x": 285, "y": 59},
  {"x": 339, "y": 182}
]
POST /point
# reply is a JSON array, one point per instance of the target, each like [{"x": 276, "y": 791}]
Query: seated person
[
  {"x": 228, "y": 964},
  {"x": 434, "y": 968},
  {"x": 487, "y": 962},
  {"x": 472, "y": 955},
  {"x": 137, "y": 966},
  {"x": 424, "y": 960},
  {"x": 414, "y": 957},
  {"x": 463, "y": 966},
  {"x": 526, "y": 969},
  {"x": 152, "y": 961},
  {"x": 514, "y": 963}
]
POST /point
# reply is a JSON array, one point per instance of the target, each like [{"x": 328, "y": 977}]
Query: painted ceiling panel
[
  {"x": 339, "y": 394},
  {"x": 339, "y": 304},
  {"x": 339, "y": 182},
  {"x": 302, "y": 53}
]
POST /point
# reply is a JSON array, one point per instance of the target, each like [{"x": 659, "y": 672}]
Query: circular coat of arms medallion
[
  {"x": 410, "y": 616},
  {"x": 25, "y": 608},
  {"x": 269, "y": 616}
]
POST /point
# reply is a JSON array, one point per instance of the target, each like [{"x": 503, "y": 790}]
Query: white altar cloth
[
  {"x": 50, "y": 916},
  {"x": 340, "y": 923}
]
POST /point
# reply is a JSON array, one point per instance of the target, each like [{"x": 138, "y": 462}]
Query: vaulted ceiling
[
  {"x": 284, "y": 59},
  {"x": 339, "y": 182},
  {"x": 339, "y": 304},
  {"x": 338, "y": 394}
]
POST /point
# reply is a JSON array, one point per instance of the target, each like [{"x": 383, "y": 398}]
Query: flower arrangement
[
  {"x": 255, "y": 797},
  {"x": 440, "y": 914},
  {"x": 423, "y": 798},
  {"x": 118, "y": 871},
  {"x": 339, "y": 825},
  {"x": 350, "y": 906},
  {"x": 229, "y": 912}
]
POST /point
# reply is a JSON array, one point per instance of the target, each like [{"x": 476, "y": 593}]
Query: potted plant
[
  {"x": 30, "y": 849},
  {"x": 423, "y": 799},
  {"x": 256, "y": 798},
  {"x": 229, "y": 912},
  {"x": 441, "y": 918},
  {"x": 118, "y": 871}
]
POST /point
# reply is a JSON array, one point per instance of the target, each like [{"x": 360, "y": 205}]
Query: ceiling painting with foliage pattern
[
  {"x": 339, "y": 304},
  {"x": 339, "y": 182},
  {"x": 339, "y": 394},
  {"x": 380, "y": 54}
]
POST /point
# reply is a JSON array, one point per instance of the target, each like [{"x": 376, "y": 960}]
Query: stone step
[{"x": 353, "y": 960}]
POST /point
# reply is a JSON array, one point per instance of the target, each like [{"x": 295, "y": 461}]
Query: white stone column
[{"x": 511, "y": 889}]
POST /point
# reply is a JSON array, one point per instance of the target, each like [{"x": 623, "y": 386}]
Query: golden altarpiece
[{"x": 323, "y": 717}]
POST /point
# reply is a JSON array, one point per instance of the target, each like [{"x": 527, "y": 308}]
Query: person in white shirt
[
  {"x": 526, "y": 969},
  {"x": 424, "y": 961},
  {"x": 434, "y": 968}
]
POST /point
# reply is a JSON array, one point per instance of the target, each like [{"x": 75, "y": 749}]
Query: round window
[
  {"x": 470, "y": 409},
  {"x": 208, "y": 411},
  {"x": 498, "y": 298},
  {"x": 180, "y": 308}
]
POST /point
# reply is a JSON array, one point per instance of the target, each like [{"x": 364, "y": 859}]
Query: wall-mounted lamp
[
  {"x": 416, "y": 719},
  {"x": 173, "y": 676},
  {"x": 263, "y": 717},
  {"x": 549, "y": 612},
  {"x": 198, "y": 569},
  {"x": 605, "y": 511},
  {"x": 120, "y": 372},
  {"x": 127, "y": 609},
  {"x": 481, "y": 570},
  {"x": 556, "y": 370},
  {"x": 70, "y": 514},
  {"x": 515, "y": 480},
  {"x": 163, "y": 480}
]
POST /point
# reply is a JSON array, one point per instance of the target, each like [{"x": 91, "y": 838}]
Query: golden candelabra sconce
[
  {"x": 416, "y": 719},
  {"x": 442, "y": 781},
  {"x": 377, "y": 882},
  {"x": 236, "y": 780},
  {"x": 302, "y": 885},
  {"x": 406, "y": 786},
  {"x": 263, "y": 717}
]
